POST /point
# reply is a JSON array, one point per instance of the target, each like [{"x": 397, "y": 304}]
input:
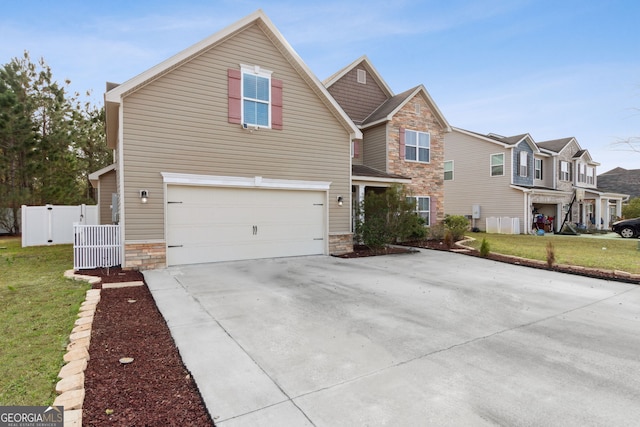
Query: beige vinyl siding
[
  {"x": 547, "y": 173},
  {"x": 473, "y": 183},
  {"x": 375, "y": 153},
  {"x": 179, "y": 124},
  {"x": 108, "y": 186}
]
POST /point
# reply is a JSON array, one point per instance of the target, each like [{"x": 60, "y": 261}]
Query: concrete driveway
[{"x": 432, "y": 338}]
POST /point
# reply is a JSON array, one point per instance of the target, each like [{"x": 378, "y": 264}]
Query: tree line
[{"x": 50, "y": 141}]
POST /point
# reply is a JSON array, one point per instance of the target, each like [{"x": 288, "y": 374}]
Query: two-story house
[
  {"x": 403, "y": 137},
  {"x": 231, "y": 149},
  {"x": 524, "y": 184}
]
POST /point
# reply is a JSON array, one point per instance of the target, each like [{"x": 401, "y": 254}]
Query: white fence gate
[
  {"x": 53, "y": 224},
  {"x": 96, "y": 246}
]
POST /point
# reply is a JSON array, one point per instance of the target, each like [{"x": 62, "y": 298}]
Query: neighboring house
[
  {"x": 231, "y": 149},
  {"x": 527, "y": 184},
  {"x": 105, "y": 183},
  {"x": 620, "y": 180},
  {"x": 403, "y": 137}
]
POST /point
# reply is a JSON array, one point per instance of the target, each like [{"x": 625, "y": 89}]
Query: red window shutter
[
  {"x": 276, "y": 104},
  {"x": 401, "y": 144},
  {"x": 234, "y": 78},
  {"x": 433, "y": 211},
  {"x": 356, "y": 148}
]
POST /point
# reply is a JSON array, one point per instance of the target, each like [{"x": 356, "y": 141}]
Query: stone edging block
[{"x": 71, "y": 386}]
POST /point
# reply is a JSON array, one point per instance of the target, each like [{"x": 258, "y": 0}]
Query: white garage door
[{"x": 208, "y": 224}]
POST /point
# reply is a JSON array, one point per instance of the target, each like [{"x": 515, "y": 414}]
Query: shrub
[
  {"x": 389, "y": 217},
  {"x": 436, "y": 231},
  {"x": 485, "y": 248},
  {"x": 551, "y": 254},
  {"x": 448, "y": 239},
  {"x": 457, "y": 225}
]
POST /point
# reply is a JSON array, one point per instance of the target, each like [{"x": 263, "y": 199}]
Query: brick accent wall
[
  {"x": 144, "y": 256},
  {"x": 340, "y": 243},
  {"x": 427, "y": 179}
]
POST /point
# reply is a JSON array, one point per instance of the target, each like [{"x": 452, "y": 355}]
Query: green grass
[
  {"x": 620, "y": 254},
  {"x": 38, "y": 307}
]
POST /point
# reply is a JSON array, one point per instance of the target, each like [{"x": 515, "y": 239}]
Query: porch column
[
  {"x": 618, "y": 208},
  {"x": 361, "y": 189},
  {"x": 598, "y": 213}
]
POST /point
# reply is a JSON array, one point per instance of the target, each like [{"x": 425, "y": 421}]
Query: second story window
[
  {"x": 417, "y": 146},
  {"x": 524, "y": 164},
  {"x": 497, "y": 164},
  {"x": 565, "y": 173},
  {"x": 591, "y": 173},
  {"x": 538, "y": 169},
  {"x": 448, "y": 170},
  {"x": 582, "y": 173},
  {"x": 256, "y": 96}
]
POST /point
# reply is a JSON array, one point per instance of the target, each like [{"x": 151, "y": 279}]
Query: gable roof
[
  {"x": 620, "y": 180},
  {"x": 557, "y": 145},
  {"x": 94, "y": 177},
  {"x": 329, "y": 81},
  {"x": 388, "y": 109},
  {"x": 115, "y": 96}
]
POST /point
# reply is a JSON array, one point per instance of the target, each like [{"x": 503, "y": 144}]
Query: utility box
[{"x": 475, "y": 211}]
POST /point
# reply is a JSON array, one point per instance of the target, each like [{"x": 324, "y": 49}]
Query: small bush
[
  {"x": 448, "y": 239},
  {"x": 485, "y": 248},
  {"x": 551, "y": 254},
  {"x": 436, "y": 232},
  {"x": 457, "y": 225}
]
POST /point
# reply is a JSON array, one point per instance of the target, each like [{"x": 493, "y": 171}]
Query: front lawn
[
  {"x": 38, "y": 307},
  {"x": 608, "y": 254}
]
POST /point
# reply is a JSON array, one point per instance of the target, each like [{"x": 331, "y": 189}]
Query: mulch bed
[{"x": 155, "y": 389}]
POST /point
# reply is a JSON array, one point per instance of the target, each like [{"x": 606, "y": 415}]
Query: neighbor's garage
[{"x": 209, "y": 224}]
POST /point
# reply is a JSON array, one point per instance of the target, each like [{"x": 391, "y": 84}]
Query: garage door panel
[{"x": 208, "y": 224}]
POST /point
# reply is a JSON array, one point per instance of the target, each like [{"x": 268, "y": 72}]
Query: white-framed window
[
  {"x": 362, "y": 76},
  {"x": 448, "y": 170},
  {"x": 423, "y": 207},
  {"x": 565, "y": 175},
  {"x": 538, "y": 168},
  {"x": 591, "y": 174},
  {"x": 417, "y": 146},
  {"x": 582, "y": 172},
  {"x": 256, "y": 96},
  {"x": 524, "y": 164},
  {"x": 497, "y": 164}
]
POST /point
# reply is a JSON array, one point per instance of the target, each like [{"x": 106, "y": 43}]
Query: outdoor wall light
[
  {"x": 339, "y": 200},
  {"x": 144, "y": 196}
]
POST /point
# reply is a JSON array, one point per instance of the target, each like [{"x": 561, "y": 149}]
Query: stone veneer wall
[
  {"x": 144, "y": 256},
  {"x": 427, "y": 179},
  {"x": 340, "y": 243}
]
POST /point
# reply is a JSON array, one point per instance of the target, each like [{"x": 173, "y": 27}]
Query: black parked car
[{"x": 627, "y": 228}]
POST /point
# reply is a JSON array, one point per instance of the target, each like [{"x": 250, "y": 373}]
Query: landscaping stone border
[{"x": 70, "y": 388}]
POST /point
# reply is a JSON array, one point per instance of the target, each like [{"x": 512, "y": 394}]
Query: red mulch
[{"x": 155, "y": 389}]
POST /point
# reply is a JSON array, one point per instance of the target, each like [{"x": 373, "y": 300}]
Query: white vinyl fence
[
  {"x": 503, "y": 225},
  {"x": 53, "y": 224},
  {"x": 96, "y": 246}
]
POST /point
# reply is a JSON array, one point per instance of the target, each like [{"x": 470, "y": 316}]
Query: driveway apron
[{"x": 432, "y": 338}]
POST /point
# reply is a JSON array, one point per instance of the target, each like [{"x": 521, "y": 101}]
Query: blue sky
[{"x": 550, "y": 68}]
